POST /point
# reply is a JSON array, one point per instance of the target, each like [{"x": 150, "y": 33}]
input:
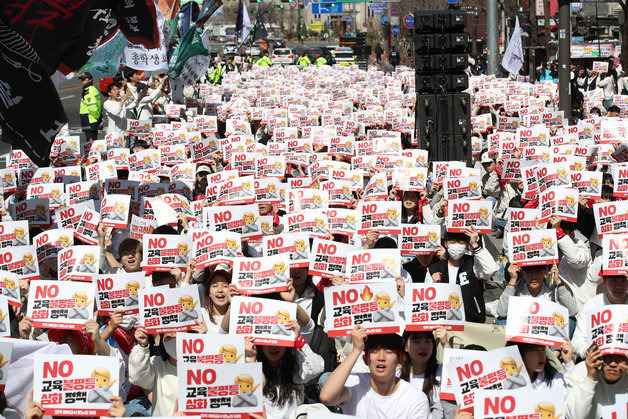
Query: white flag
[
  {"x": 246, "y": 23},
  {"x": 513, "y": 58}
]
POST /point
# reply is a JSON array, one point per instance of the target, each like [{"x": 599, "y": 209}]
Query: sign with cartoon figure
[
  {"x": 115, "y": 210},
  {"x": 428, "y": 306},
  {"x": 243, "y": 219},
  {"x": 261, "y": 275},
  {"x": 214, "y": 247},
  {"x": 6, "y": 349},
  {"x": 499, "y": 369},
  {"x": 5, "y": 323},
  {"x": 164, "y": 310},
  {"x": 537, "y": 321},
  {"x": 383, "y": 216},
  {"x": 372, "y": 305},
  {"x": 60, "y": 304},
  {"x": 162, "y": 252},
  {"x": 78, "y": 263},
  {"x": 218, "y": 391},
  {"x": 535, "y": 247},
  {"x": 296, "y": 245},
  {"x": 14, "y": 233},
  {"x": 328, "y": 258},
  {"x": 608, "y": 328},
  {"x": 525, "y": 403},
  {"x": 118, "y": 291},
  {"x": 210, "y": 349},
  {"x": 268, "y": 321},
  {"x": 10, "y": 286},
  {"x": 75, "y": 385},
  {"x": 373, "y": 265},
  {"x": 21, "y": 260},
  {"x": 419, "y": 239},
  {"x": 615, "y": 254},
  {"x": 465, "y": 213}
]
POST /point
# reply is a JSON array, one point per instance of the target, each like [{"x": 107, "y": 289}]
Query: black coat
[{"x": 472, "y": 287}]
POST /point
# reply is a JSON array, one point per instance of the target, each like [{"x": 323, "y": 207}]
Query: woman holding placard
[
  {"x": 543, "y": 375},
  {"x": 217, "y": 300}
]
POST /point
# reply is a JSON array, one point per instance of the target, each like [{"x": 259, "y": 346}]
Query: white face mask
[
  {"x": 129, "y": 321},
  {"x": 456, "y": 251},
  {"x": 171, "y": 347}
]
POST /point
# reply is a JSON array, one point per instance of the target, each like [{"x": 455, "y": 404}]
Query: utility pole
[
  {"x": 564, "y": 57},
  {"x": 492, "y": 31}
]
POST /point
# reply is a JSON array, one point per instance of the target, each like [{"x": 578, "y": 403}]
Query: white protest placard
[
  {"x": 78, "y": 263},
  {"x": 162, "y": 252},
  {"x": 451, "y": 355},
  {"x": 264, "y": 319},
  {"x": 140, "y": 226},
  {"x": 50, "y": 242},
  {"x": 607, "y": 327},
  {"x": 534, "y": 247},
  {"x": 138, "y": 128},
  {"x": 5, "y": 322},
  {"x": 35, "y": 211},
  {"x": 500, "y": 369},
  {"x": 115, "y": 211},
  {"x": 14, "y": 233},
  {"x": 214, "y": 247},
  {"x": 342, "y": 221},
  {"x": 164, "y": 310},
  {"x": 219, "y": 391},
  {"x": 419, "y": 239},
  {"x": 60, "y": 304},
  {"x": 6, "y": 349},
  {"x": 328, "y": 258},
  {"x": 600, "y": 66},
  {"x": 462, "y": 188},
  {"x": 295, "y": 245},
  {"x": 261, "y": 275},
  {"x": 377, "y": 187},
  {"x": 21, "y": 260},
  {"x": 617, "y": 411},
  {"x": 75, "y": 385},
  {"x": 615, "y": 254},
  {"x": 307, "y": 199},
  {"x": 524, "y": 219},
  {"x": 383, "y": 216},
  {"x": 210, "y": 349},
  {"x": 372, "y": 305},
  {"x": 428, "y": 306},
  {"x": 611, "y": 217},
  {"x": 465, "y": 213},
  {"x": 10, "y": 286},
  {"x": 559, "y": 201},
  {"x": 87, "y": 227},
  {"x": 313, "y": 222},
  {"x": 537, "y": 321},
  {"x": 53, "y": 192},
  {"x": 243, "y": 219},
  {"x": 587, "y": 183},
  {"x": 524, "y": 403},
  {"x": 409, "y": 178},
  {"x": 118, "y": 291},
  {"x": 82, "y": 191},
  {"x": 373, "y": 265},
  {"x": 340, "y": 193},
  {"x": 237, "y": 191}
]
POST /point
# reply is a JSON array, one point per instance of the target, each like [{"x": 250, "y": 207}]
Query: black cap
[{"x": 86, "y": 75}]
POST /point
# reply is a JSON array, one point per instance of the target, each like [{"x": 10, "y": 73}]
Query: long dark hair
[
  {"x": 431, "y": 380},
  {"x": 547, "y": 368},
  {"x": 279, "y": 386},
  {"x": 208, "y": 282}
]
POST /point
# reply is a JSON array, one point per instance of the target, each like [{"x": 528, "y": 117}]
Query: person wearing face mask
[{"x": 468, "y": 271}]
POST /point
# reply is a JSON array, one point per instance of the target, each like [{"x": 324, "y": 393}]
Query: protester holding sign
[
  {"x": 466, "y": 271},
  {"x": 378, "y": 393},
  {"x": 543, "y": 374},
  {"x": 217, "y": 299}
]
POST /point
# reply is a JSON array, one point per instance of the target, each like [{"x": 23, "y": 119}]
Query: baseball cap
[
  {"x": 85, "y": 75},
  {"x": 485, "y": 158},
  {"x": 203, "y": 168}
]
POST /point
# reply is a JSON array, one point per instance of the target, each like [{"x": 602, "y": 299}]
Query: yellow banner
[{"x": 317, "y": 26}]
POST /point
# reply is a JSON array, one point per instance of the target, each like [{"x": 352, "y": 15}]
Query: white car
[
  {"x": 283, "y": 56},
  {"x": 230, "y": 49},
  {"x": 253, "y": 51}
]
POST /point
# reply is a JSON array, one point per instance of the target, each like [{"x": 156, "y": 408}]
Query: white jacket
[
  {"x": 308, "y": 366},
  {"x": 585, "y": 398},
  {"x": 575, "y": 260},
  {"x": 156, "y": 375},
  {"x": 115, "y": 117}
]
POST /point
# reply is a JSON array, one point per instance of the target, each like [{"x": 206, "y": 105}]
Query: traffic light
[{"x": 281, "y": 6}]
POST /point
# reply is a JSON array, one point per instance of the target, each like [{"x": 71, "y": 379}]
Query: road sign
[
  {"x": 452, "y": 1},
  {"x": 293, "y": 4},
  {"x": 378, "y": 6},
  {"x": 408, "y": 21},
  {"x": 395, "y": 30},
  {"x": 378, "y": 13},
  {"x": 394, "y": 20},
  {"x": 347, "y": 19},
  {"x": 394, "y": 12},
  {"x": 364, "y": 25},
  {"x": 326, "y": 8},
  {"x": 383, "y": 20}
]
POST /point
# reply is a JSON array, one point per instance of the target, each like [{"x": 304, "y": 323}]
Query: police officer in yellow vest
[
  {"x": 303, "y": 60},
  {"x": 321, "y": 61},
  {"x": 264, "y": 61},
  {"x": 90, "y": 110},
  {"x": 219, "y": 71}
]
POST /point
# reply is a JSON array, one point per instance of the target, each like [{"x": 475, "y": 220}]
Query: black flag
[{"x": 259, "y": 30}]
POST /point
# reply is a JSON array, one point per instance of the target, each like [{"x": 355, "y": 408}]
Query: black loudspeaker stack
[{"x": 443, "y": 111}]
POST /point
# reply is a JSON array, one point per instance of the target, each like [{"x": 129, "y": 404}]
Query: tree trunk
[
  {"x": 546, "y": 22},
  {"x": 533, "y": 40}
]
